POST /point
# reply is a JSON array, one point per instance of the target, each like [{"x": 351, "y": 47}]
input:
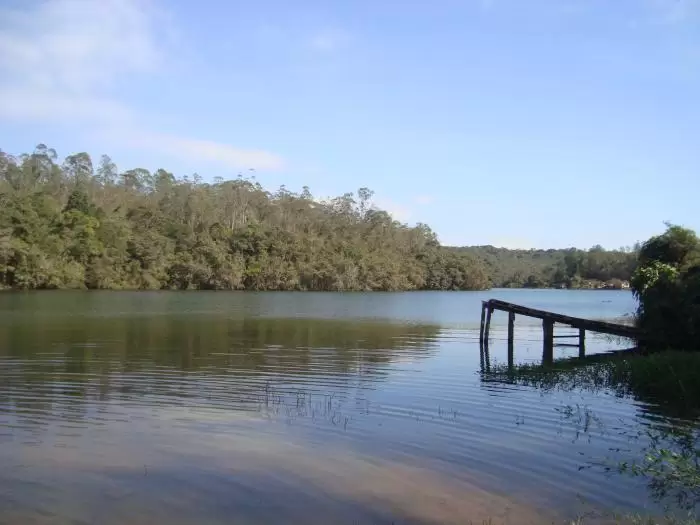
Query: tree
[
  {"x": 68, "y": 226},
  {"x": 78, "y": 168},
  {"x": 677, "y": 246},
  {"x": 666, "y": 283}
]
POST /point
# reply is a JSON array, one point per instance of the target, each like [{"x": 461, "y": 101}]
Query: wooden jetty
[{"x": 549, "y": 319}]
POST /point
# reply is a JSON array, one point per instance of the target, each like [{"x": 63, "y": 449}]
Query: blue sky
[{"x": 538, "y": 123}]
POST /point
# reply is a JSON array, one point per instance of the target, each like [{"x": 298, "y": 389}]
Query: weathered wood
[
  {"x": 575, "y": 322},
  {"x": 548, "y": 341},
  {"x": 482, "y": 357},
  {"x": 487, "y": 358},
  {"x": 483, "y": 320},
  {"x": 581, "y": 343},
  {"x": 487, "y": 328},
  {"x": 511, "y": 329}
]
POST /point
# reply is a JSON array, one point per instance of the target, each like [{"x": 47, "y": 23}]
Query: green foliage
[
  {"x": 667, "y": 285},
  {"x": 568, "y": 268},
  {"x": 674, "y": 470},
  {"x": 74, "y": 226},
  {"x": 677, "y": 247},
  {"x": 652, "y": 274}
]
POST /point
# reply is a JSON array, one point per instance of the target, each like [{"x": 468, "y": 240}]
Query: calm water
[{"x": 213, "y": 408}]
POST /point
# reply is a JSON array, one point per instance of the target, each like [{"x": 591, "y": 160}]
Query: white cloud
[
  {"x": 42, "y": 105},
  {"x": 399, "y": 211},
  {"x": 63, "y": 60},
  {"x": 396, "y": 210},
  {"x": 76, "y": 46},
  {"x": 513, "y": 243},
  {"x": 675, "y": 11},
  {"x": 195, "y": 149},
  {"x": 329, "y": 40},
  {"x": 424, "y": 200}
]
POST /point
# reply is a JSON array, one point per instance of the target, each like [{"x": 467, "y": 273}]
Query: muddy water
[{"x": 167, "y": 408}]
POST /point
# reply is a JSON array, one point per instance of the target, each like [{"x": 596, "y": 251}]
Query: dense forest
[
  {"x": 567, "y": 268},
  {"x": 76, "y": 225}
]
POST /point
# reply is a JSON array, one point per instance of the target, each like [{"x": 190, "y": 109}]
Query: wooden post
[
  {"x": 483, "y": 319},
  {"x": 511, "y": 326},
  {"x": 581, "y": 343},
  {"x": 487, "y": 357},
  {"x": 548, "y": 342},
  {"x": 487, "y": 328},
  {"x": 482, "y": 357}
]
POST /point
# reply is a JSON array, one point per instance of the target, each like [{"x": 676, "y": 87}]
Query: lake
[{"x": 213, "y": 408}]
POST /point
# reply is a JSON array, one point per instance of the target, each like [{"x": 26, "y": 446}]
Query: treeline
[
  {"x": 76, "y": 225},
  {"x": 567, "y": 268}
]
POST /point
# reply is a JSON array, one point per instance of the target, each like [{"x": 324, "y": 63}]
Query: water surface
[{"x": 177, "y": 407}]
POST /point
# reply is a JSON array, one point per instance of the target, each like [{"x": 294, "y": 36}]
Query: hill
[
  {"x": 74, "y": 225},
  {"x": 570, "y": 268}
]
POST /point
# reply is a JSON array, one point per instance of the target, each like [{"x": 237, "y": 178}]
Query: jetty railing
[{"x": 549, "y": 319}]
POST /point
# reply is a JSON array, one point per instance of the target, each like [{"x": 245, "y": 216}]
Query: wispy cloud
[
  {"x": 395, "y": 209},
  {"x": 60, "y": 60},
  {"x": 215, "y": 152},
  {"x": 675, "y": 11},
  {"x": 643, "y": 12},
  {"x": 45, "y": 105},
  {"x": 76, "y": 47},
  {"x": 424, "y": 200},
  {"x": 513, "y": 243},
  {"x": 328, "y": 40}
]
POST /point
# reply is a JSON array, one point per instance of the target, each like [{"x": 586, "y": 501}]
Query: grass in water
[{"x": 669, "y": 382}]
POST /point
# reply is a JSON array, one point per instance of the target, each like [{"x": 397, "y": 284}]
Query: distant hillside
[{"x": 571, "y": 268}]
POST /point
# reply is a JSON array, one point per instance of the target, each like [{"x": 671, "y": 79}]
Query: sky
[{"x": 516, "y": 123}]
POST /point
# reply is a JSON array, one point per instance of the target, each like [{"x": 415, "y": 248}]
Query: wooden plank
[
  {"x": 511, "y": 330},
  {"x": 576, "y": 322},
  {"x": 581, "y": 343},
  {"x": 547, "y": 342}
]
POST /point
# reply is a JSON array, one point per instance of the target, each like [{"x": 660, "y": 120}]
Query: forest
[
  {"x": 74, "y": 224},
  {"x": 563, "y": 268}
]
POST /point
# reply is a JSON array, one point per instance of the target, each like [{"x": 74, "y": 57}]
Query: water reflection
[
  {"x": 218, "y": 407},
  {"x": 66, "y": 369},
  {"x": 662, "y": 442},
  {"x": 172, "y": 419}
]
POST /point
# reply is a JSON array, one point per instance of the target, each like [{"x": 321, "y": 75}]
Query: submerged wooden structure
[{"x": 549, "y": 319}]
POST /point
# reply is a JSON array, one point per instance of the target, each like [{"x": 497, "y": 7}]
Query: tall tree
[{"x": 71, "y": 225}]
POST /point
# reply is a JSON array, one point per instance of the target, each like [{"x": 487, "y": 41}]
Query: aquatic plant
[{"x": 667, "y": 380}]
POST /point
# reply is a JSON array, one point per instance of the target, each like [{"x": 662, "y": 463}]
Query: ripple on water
[{"x": 172, "y": 418}]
